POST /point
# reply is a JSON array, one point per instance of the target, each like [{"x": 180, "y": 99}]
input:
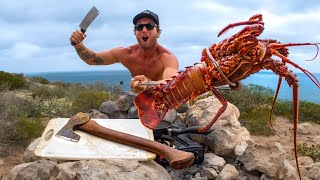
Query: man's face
[{"x": 146, "y": 38}]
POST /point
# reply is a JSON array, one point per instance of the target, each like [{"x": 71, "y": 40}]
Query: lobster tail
[
  {"x": 148, "y": 113},
  {"x": 154, "y": 102}
]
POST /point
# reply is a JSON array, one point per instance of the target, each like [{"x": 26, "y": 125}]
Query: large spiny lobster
[{"x": 227, "y": 62}]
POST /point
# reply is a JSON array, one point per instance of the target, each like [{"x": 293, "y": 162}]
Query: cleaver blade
[{"x": 88, "y": 19}]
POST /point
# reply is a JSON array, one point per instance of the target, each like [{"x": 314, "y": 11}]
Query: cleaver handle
[
  {"x": 83, "y": 31},
  {"x": 177, "y": 159}
]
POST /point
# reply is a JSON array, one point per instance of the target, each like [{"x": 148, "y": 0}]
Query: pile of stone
[{"x": 230, "y": 152}]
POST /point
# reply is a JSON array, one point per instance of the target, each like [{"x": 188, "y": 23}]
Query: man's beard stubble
[{"x": 146, "y": 46}]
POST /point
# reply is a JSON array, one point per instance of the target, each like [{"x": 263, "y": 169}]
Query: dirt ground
[
  {"x": 285, "y": 131},
  {"x": 11, "y": 156}
]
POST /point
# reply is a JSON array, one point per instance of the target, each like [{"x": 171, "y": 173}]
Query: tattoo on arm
[
  {"x": 88, "y": 55},
  {"x": 84, "y": 53},
  {"x": 97, "y": 59}
]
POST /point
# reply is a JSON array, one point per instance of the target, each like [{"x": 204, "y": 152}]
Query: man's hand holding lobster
[{"x": 136, "y": 81}]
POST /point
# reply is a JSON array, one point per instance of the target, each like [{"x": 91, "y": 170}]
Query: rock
[
  {"x": 41, "y": 169},
  {"x": 111, "y": 109},
  {"x": 287, "y": 171},
  {"x": 305, "y": 161},
  {"x": 190, "y": 172},
  {"x": 28, "y": 155},
  {"x": 314, "y": 171},
  {"x": 304, "y": 128},
  {"x": 112, "y": 169},
  {"x": 317, "y": 140},
  {"x": 239, "y": 149},
  {"x": 268, "y": 159},
  {"x": 264, "y": 177},
  {"x": 213, "y": 161},
  {"x": 133, "y": 113},
  {"x": 94, "y": 114},
  {"x": 228, "y": 172},
  {"x": 183, "y": 108},
  {"x": 90, "y": 169},
  {"x": 171, "y": 115},
  {"x": 209, "y": 173},
  {"x": 227, "y": 133},
  {"x": 125, "y": 101}
]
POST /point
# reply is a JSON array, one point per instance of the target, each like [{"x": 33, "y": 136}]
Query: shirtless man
[{"x": 147, "y": 60}]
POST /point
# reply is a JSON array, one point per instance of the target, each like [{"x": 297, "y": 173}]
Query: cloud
[
  {"x": 38, "y": 37},
  {"x": 23, "y": 50}
]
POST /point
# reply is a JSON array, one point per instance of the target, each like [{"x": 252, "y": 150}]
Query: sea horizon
[{"x": 308, "y": 90}]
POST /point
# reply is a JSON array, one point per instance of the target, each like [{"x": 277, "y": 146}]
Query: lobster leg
[
  {"x": 273, "y": 104},
  {"x": 256, "y": 19},
  {"x": 295, "y": 89},
  {"x": 224, "y": 103},
  {"x": 280, "y": 69}
]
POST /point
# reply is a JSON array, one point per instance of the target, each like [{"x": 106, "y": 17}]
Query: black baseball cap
[{"x": 146, "y": 14}]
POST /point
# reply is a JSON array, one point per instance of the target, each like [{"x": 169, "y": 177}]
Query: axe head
[{"x": 67, "y": 132}]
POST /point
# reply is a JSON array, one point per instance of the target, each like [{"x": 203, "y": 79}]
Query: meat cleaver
[{"x": 87, "y": 20}]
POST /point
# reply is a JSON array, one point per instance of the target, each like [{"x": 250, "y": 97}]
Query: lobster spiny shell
[{"x": 154, "y": 102}]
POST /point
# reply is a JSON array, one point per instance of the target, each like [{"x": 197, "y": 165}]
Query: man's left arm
[
  {"x": 170, "y": 69},
  {"x": 171, "y": 65}
]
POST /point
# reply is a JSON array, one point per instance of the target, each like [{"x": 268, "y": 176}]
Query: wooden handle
[{"x": 176, "y": 158}]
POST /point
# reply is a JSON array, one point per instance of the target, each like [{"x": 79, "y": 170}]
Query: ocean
[{"x": 308, "y": 90}]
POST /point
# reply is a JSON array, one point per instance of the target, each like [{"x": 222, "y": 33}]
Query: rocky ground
[{"x": 11, "y": 156}]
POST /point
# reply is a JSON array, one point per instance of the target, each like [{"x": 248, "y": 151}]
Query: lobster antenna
[{"x": 316, "y": 44}]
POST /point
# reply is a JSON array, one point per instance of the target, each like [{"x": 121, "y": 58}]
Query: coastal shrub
[
  {"x": 87, "y": 100},
  {"x": 250, "y": 97},
  {"x": 102, "y": 86},
  {"x": 39, "y": 79},
  {"x": 308, "y": 111},
  {"x": 97, "y": 86},
  {"x": 28, "y": 128},
  {"x": 15, "y": 81},
  {"x": 253, "y": 102},
  {"x": 63, "y": 84},
  {"x": 310, "y": 150},
  {"x": 58, "y": 91},
  {"x": 40, "y": 91},
  {"x": 256, "y": 121},
  {"x": 17, "y": 114},
  {"x": 4, "y": 86}
]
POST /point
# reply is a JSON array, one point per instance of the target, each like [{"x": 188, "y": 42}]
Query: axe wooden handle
[{"x": 176, "y": 158}]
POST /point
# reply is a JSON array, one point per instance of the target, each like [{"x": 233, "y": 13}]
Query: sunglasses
[{"x": 139, "y": 27}]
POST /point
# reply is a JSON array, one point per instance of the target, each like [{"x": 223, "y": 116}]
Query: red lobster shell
[{"x": 227, "y": 62}]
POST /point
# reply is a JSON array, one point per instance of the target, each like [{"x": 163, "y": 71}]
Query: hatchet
[{"x": 81, "y": 121}]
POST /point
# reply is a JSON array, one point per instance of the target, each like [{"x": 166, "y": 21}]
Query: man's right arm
[{"x": 89, "y": 56}]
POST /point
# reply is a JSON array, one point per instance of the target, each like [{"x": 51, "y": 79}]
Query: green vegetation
[
  {"x": 12, "y": 81},
  {"x": 308, "y": 111},
  {"x": 254, "y": 102},
  {"x": 28, "y": 103},
  {"x": 312, "y": 151}
]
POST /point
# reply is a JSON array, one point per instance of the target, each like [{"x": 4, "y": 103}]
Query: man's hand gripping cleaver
[
  {"x": 87, "y": 20},
  {"x": 177, "y": 159}
]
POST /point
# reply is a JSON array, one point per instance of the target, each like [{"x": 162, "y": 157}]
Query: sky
[{"x": 34, "y": 34}]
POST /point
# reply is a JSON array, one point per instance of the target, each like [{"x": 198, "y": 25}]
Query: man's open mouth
[{"x": 145, "y": 38}]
